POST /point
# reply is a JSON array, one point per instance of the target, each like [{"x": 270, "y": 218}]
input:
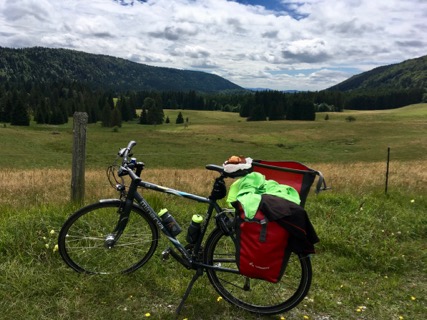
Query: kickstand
[{"x": 198, "y": 273}]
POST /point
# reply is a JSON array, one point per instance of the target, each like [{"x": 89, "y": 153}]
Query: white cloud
[
  {"x": 26, "y": 11},
  {"x": 306, "y": 51},
  {"x": 252, "y": 46}
]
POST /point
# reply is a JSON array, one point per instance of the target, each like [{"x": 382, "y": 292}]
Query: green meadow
[
  {"x": 370, "y": 262},
  {"x": 210, "y": 137}
]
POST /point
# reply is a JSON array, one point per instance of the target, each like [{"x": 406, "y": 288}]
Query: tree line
[
  {"x": 54, "y": 103},
  {"x": 384, "y": 99}
]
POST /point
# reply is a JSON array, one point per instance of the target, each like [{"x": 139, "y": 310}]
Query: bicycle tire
[
  {"x": 81, "y": 241},
  {"x": 254, "y": 295}
]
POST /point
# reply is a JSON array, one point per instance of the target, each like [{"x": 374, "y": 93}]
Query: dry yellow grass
[
  {"x": 355, "y": 177},
  {"x": 38, "y": 187}
]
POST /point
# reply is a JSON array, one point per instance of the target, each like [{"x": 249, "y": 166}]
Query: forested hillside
[
  {"x": 44, "y": 65},
  {"x": 408, "y": 74},
  {"x": 49, "y": 85},
  {"x": 386, "y": 87}
]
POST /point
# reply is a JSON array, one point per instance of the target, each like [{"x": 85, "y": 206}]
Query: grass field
[
  {"x": 211, "y": 137},
  {"x": 370, "y": 263}
]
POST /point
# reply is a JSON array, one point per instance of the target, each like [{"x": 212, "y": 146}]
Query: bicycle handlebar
[
  {"x": 125, "y": 151},
  {"x": 128, "y": 165}
]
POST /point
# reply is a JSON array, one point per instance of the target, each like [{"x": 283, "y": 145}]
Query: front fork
[
  {"x": 124, "y": 211},
  {"x": 112, "y": 238}
]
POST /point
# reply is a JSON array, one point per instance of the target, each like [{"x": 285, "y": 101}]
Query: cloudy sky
[{"x": 282, "y": 45}]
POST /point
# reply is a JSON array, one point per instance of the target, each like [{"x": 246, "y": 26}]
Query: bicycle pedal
[{"x": 166, "y": 254}]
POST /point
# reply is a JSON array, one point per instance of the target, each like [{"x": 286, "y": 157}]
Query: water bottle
[
  {"x": 194, "y": 229},
  {"x": 169, "y": 222}
]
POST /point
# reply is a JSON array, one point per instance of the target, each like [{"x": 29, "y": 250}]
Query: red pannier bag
[
  {"x": 291, "y": 173},
  {"x": 261, "y": 247}
]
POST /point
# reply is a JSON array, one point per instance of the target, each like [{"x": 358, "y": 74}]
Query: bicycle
[{"x": 121, "y": 235}]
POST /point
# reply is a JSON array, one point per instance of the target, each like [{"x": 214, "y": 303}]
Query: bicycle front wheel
[
  {"x": 83, "y": 239},
  {"x": 254, "y": 295}
]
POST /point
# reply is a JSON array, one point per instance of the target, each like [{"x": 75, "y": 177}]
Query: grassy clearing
[
  {"x": 370, "y": 263},
  {"x": 211, "y": 137}
]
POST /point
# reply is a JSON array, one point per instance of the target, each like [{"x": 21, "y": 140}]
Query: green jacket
[{"x": 248, "y": 190}]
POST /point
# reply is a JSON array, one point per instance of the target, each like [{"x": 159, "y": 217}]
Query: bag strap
[{"x": 263, "y": 233}]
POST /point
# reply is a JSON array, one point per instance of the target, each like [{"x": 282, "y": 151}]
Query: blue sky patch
[{"x": 280, "y": 7}]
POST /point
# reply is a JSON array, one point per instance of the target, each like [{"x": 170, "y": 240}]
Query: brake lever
[{"x": 121, "y": 152}]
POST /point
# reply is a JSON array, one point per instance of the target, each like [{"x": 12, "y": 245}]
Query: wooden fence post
[
  {"x": 79, "y": 156},
  {"x": 387, "y": 170}
]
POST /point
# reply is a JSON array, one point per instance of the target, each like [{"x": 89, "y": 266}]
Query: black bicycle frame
[{"x": 213, "y": 206}]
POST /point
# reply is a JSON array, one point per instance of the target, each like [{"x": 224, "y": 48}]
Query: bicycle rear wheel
[
  {"x": 256, "y": 295},
  {"x": 83, "y": 239}
]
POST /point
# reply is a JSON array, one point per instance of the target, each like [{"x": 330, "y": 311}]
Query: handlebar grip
[{"x": 131, "y": 144}]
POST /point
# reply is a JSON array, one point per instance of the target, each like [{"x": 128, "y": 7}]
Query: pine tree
[
  {"x": 124, "y": 109},
  {"x": 19, "y": 115},
  {"x": 179, "y": 118},
  {"x": 257, "y": 114},
  {"x": 57, "y": 115},
  {"x": 116, "y": 118},
  {"x": 106, "y": 116},
  {"x": 277, "y": 106},
  {"x": 155, "y": 113},
  {"x": 301, "y": 108},
  {"x": 247, "y": 106},
  {"x": 143, "y": 117}
]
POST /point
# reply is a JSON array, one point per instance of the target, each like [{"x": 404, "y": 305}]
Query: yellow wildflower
[{"x": 361, "y": 308}]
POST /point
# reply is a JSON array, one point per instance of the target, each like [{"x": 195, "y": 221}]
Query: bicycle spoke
[{"x": 83, "y": 241}]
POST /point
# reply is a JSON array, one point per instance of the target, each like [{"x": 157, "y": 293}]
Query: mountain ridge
[
  {"x": 40, "y": 64},
  {"x": 411, "y": 73},
  {"x": 47, "y": 65}
]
